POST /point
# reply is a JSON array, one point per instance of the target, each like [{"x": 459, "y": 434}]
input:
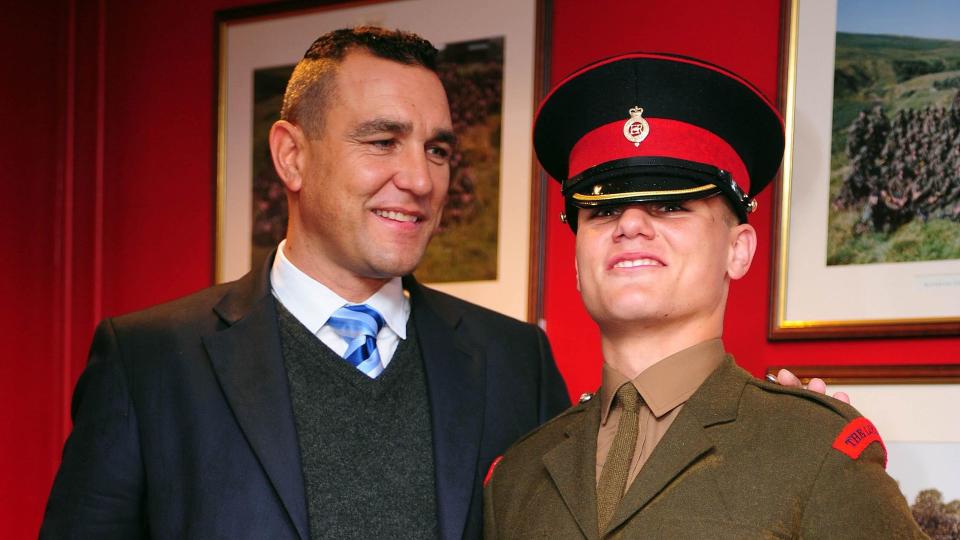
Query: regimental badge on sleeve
[{"x": 856, "y": 436}]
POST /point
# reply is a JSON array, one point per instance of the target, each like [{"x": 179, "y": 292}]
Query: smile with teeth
[
  {"x": 638, "y": 262},
  {"x": 397, "y": 216}
]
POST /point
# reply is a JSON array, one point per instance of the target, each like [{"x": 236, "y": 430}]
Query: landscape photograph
[{"x": 895, "y": 147}]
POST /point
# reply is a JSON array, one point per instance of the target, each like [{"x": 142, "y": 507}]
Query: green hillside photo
[{"x": 895, "y": 150}]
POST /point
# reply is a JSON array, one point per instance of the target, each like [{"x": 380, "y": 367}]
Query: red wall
[
  {"x": 106, "y": 154},
  {"x": 107, "y": 168},
  {"x": 31, "y": 313}
]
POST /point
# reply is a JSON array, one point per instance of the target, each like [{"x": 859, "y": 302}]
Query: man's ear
[
  {"x": 743, "y": 245},
  {"x": 288, "y": 148}
]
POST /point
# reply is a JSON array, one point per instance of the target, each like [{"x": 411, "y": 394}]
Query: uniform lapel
[
  {"x": 455, "y": 372},
  {"x": 572, "y": 465},
  {"x": 683, "y": 443},
  {"x": 687, "y": 440},
  {"x": 247, "y": 359}
]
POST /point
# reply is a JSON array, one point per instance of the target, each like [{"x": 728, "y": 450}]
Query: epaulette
[
  {"x": 579, "y": 407},
  {"x": 840, "y": 408},
  {"x": 856, "y": 434}
]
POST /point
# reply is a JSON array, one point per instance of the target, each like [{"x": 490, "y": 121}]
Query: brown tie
[{"x": 613, "y": 479}]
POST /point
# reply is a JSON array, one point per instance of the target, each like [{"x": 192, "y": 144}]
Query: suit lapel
[
  {"x": 572, "y": 465},
  {"x": 455, "y": 373},
  {"x": 688, "y": 439},
  {"x": 247, "y": 359}
]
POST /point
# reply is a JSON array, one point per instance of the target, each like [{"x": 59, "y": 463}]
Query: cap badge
[{"x": 636, "y": 128}]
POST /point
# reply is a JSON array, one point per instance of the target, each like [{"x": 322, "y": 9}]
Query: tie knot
[
  {"x": 628, "y": 397},
  {"x": 356, "y": 320}
]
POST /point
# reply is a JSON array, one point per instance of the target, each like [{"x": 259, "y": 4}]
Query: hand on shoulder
[{"x": 786, "y": 378}]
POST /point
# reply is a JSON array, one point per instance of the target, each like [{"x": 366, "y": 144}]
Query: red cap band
[{"x": 667, "y": 138}]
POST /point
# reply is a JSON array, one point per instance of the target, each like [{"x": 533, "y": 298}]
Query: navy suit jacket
[{"x": 183, "y": 425}]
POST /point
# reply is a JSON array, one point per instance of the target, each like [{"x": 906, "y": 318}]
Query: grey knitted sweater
[{"x": 365, "y": 444}]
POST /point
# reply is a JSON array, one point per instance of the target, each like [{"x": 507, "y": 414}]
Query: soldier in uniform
[{"x": 660, "y": 159}]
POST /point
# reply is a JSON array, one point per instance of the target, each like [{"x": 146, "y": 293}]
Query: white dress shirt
[{"x": 312, "y": 303}]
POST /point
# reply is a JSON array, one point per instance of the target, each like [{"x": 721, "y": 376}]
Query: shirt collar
[
  {"x": 667, "y": 383},
  {"x": 312, "y": 302}
]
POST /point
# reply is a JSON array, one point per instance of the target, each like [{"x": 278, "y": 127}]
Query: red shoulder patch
[
  {"x": 856, "y": 436},
  {"x": 486, "y": 479}
]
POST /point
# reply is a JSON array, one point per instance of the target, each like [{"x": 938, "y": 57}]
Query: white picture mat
[
  {"x": 862, "y": 292},
  {"x": 917, "y": 466},
  {"x": 282, "y": 40}
]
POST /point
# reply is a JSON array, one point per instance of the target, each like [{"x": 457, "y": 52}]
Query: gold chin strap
[{"x": 631, "y": 194}]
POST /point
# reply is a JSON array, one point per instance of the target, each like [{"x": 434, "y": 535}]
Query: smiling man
[
  {"x": 368, "y": 180},
  {"x": 321, "y": 396},
  {"x": 660, "y": 158}
]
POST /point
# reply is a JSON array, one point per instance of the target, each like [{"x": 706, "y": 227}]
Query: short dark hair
[{"x": 310, "y": 88}]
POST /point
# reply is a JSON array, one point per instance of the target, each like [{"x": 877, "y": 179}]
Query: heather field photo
[
  {"x": 895, "y": 149},
  {"x": 465, "y": 246}
]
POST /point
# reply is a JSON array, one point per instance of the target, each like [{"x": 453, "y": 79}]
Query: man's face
[
  {"x": 658, "y": 263},
  {"x": 375, "y": 179}
]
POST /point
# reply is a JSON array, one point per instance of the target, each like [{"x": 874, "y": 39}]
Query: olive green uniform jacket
[{"x": 743, "y": 459}]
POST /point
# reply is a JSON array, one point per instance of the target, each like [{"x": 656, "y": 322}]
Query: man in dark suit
[
  {"x": 652, "y": 151},
  {"x": 321, "y": 395}
]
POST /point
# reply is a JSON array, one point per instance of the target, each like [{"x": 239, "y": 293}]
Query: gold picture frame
[{"x": 809, "y": 298}]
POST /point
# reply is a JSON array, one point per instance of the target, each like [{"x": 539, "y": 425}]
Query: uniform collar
[
  {"x": 312, "y": 302},
  {"x": 667, "y": 383}
]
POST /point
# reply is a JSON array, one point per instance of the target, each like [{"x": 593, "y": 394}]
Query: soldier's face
[
  {"x": 377, "y": 176},
  {"x": 657, "y": 264}
]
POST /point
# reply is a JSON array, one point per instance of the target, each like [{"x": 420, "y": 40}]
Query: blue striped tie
[{"x": 359, "y": 325}]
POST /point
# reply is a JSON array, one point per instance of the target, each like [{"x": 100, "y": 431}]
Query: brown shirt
[{"x": 664, "y": 387}]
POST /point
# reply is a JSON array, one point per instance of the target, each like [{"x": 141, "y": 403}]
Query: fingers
[
  {"x": 820, "y": 387},
  {"x": 842, "y": 396},
  {"x": 817, "y": 385},
  {"x": 786, "y": 378}
]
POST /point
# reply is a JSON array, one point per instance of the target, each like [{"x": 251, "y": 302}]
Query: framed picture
[
  {"x": 834, "y": 374},
  {"x": 868, "y": 222},
  {"x": 489, "y": 64}
]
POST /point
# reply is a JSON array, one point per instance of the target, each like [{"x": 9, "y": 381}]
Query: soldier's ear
[
  {"x": 743, "y": 246},
  {"x": 289, "y": 148},
  {"x": 576, "y": 272}
]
